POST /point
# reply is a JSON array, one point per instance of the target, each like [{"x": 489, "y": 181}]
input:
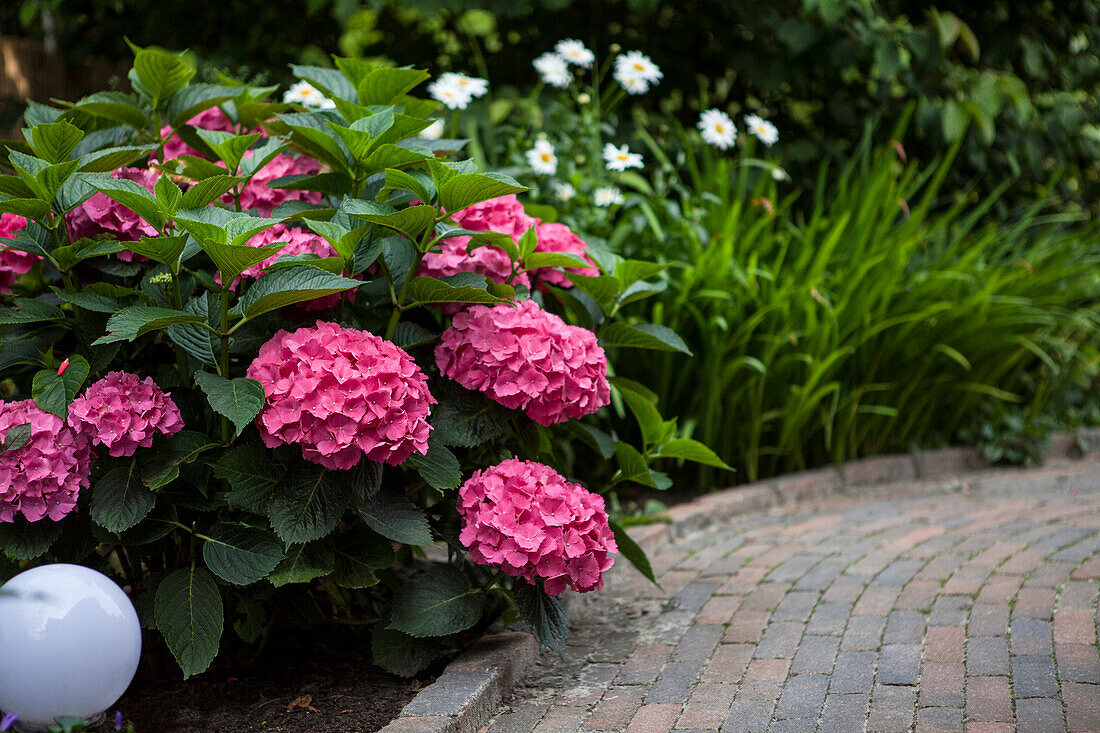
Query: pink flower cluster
[
  {"x": 262, "y": 198},
  {"x": 122, "y": 411},
  {"x": 13, "y": 262},
  {"x": 101, "y": 214},
  {"x": 526, "y": 519},
  {"x": 526, "y": 358},
  {"x": 44, "y": 477},
  {"x": 209, "y": 119},
  {"x": 341, "y": 394},
  {"x": 559, "y": 238},
  {"x": 504, "y": 215}
]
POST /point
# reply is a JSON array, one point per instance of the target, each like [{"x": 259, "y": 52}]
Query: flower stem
[{"x": 227, "y": 433}]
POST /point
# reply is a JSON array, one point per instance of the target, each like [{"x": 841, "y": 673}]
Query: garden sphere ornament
[{"x": 70, "y": 641}]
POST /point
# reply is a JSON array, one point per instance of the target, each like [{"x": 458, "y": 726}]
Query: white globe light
[{"x": 70, "y": 641}]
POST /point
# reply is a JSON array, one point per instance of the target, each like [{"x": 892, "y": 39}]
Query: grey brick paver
[{"x": 970, "y": 612}]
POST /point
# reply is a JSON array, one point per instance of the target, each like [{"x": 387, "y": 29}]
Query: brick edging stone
[{"x": 472, "y": 687}]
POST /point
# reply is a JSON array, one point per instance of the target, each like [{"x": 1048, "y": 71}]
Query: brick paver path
[{"x": 965, "y": 606}]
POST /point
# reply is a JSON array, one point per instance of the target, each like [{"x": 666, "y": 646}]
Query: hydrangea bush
[{"x": 257, "y": 355}]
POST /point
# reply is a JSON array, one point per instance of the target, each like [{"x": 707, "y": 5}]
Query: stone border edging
[{"x": 472, "y": 687}]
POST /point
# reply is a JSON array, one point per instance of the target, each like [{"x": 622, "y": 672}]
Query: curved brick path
[{"x": 960, "y": 606}]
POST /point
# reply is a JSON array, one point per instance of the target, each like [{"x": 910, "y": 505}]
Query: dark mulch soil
[{"x": 313, "y": 682}]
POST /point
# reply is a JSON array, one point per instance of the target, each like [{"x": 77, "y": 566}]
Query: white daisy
[
  {"x": 476, "y": 86},
  {"x": 717, "y": 128},
  {"x": 609, "y": 196},
  {"x": 575, "y": 52},
  {"x": 636, "y": 72},
  {"x": 306, "y": 94},
  {"x": 619, "y": 159},
  {"x": 564, "y": 191},
  {"x": 765, "y": 131},
  {"x": 541, "y": 158},
  {"x": 450, "y": 94},
  {"x": 433, "y": 131},
  {"x": 553, "y": 69}
]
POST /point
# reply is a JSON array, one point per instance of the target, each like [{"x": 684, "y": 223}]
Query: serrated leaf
[
  {"x": 437, "y": 602},
  {"x": 466, "y": 189},
  {"x": 54, "y": 141},
  {"x": 283, "y": 287},
  {"x": 388, "y": 85},
  {"x": 53, "y": 392},
  {"x": 395, "y": 518},
  {"x": 690, "y": 450},
  {"x": 189, "y": 613},
  {"x": 307, "y": 504},
  {"x": 28, "y": 310},
  {"x": 643, "y": 336},
  {"x": 161, "y": 73},
  {"x": 303, "y": 563},
  {"x": 23, "y": 540},
  {"x": 138, "y": 320},
  {"x": 544, "y": 613},
  {"x": 183, "y": 447},
  {"x": 251, "y": 475},
  {"x": 120, "y": 500},
  {"x": 16, "y": 437},
  {"x": 401, "y": 654},
  {"x": 412, "y": 221},
  {"x": 207, "y": 191},
  {"x": 114, "y": 106},
  {"x": 439, "y": 467},
  {"x": 239, "y": 399},
  {"x": 629, "y": 549},
  {"x": 111, "y": 159},
  {"x": 430, "y": 290},
  {"x": 240, "y": 554},
  {"x": 358, "y": 554},
  {"x": 465, "y": 418}
]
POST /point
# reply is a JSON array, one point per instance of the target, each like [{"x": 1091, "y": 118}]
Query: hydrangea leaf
[
  {"x": 114, "y": 106},
  {"x": 643, "y": 336},
  {"x": 303, "y": 563},
  {"x": 690, "y": 450},
  {"x": 465, "y": 418},
  {"x": 307, "y": 505},
  {"x": 330, "y": 81},
  {"x": 358, "y": 554},
  {"x": 120, "y": 500},
  {"x": 240, "y": 554},
  {"x": 23, "y": 540},
  {"x": 437, "y": 602},
  {"x": 207, "y": 191},
  {"x": 53, "y": 141},
  {"x": 430, "y": 290},
  {"x": 401, "y": 654},
  {"x": 110, "y": 159},
  {"x": 239, "y": 399},
  {"x": 630, "y": 549},
  {"x": 189, "y": 613},
  {"x": 138, "y": 320},
  {"x": 16, "y": 437},
  {"x": 456, "y": 192},
  {"x": 395, "y": 518},
  {"x": 544, "y": 613},
  {"x": 196, "y": 98},
  {"x": 439, "y": 466},
  {"x": 412, "y": 221},
  {"x": 29, "y": 310},
  {"x": 251, "y": 475},
  {"x": 161, "y": 73},
  {"x": 53, "y": 392},
  {"x": 133, "y": 196},
  {"x": 387, "y": 85},
  {"x": 183, "y": 447},
  {"x": 286, "y": 286}
]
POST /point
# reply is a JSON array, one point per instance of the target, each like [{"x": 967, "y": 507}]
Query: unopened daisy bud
[{"x": 615, "y": 48}]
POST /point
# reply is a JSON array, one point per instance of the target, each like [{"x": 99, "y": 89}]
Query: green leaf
[
  {"x": 465, "y": 418},
  {"x": 54, "y": 141},
  {"x": 114, "y": 106},
  {"x": 435, "y": 603},
  {"x": 955, "y": 120},
  {"x": 110, "y": 159},
  {"x": 307, "y": 504},
  {"x": 189, "y": 613},
  {"x": 166, "y": 250},
  {"x": 239, "y": 399},
  {"x": 603, "y": 289},
  {"x": 431, "y": 290},
  {"x": 395, "y": 518},
  {"x": 654, "y": 428},
  {"x": 16, "y": 437},
  {"x": 138, "y": 320},
  {"x": 207, "y": 191},
  {"x": 183, "y": 447},
  {"x": 168, "y": 195},
  {"x": 553, "y": 259},
  {"x": 643, "y": 336},
  {"x": 53, "y": 393},
  {"x": 358, "y": 554},
  {"x": 466, "y": 189},
  {"x": 27, "y": 310},
  {"x": 23, "y": 540},
  {"x": 633, "y": 466},
  {"x": 162, "y": 73},
  {"x": 439, "y": 467},
  {"x": 240, "y": 554},
  {"x": 303, "y": 563},
  {"x": 196, "y": 98},
  {"x": 120, "y": 500},
  {"x": 629, "y": 549},
  {"x": 412, "y": 221},
  {"x": 251, "y": 475},
  {"x": 398, "y": 180},
  {"x": 690, "y": 450},
  {"x": 388, "y": 85},
  {"x": 130, "y": 194},
  {"x": 401, "y": 654},
  {"x": 544, "y": 613},
  {"x": 286, "y": 286}
]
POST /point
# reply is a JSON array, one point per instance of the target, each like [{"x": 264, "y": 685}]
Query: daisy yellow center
[
  {"x": 639, "y": 67},
  {"x": 621, "y": 156},
  {"x": 546, "y": 157},
  {"x": 719, "y": 127},
  {"x": 305, "y": 92}
]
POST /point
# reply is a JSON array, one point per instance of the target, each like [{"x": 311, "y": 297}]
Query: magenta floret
[
  {"x": 123, "y": 412},
  {"x": 340, "y": 394},
  {"x": 526, "y": 519},
  {"x": 527, "y": 359},
  {"x": 44, "y": 477},
  {"x": 13, "y": 262},
  {"x": 504, "y": 215},
  {"x": 259, "y": 196}
]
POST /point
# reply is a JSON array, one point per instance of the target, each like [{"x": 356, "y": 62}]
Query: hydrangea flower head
[
  {"x": 44, "y": 477},
  {"x": 101, "y": 214},
  {"x": 575, "y": 52},
  {"x": 123, "y": 412},
  {"x": 619, "y": 159},
  {"x": 554, "y": 237},
  {"x": 636, "y": 72},
  {"x": 341, "y": 394},
  {"x": 553, "y": 70},
  {"x": 542, "y": 159},
  {"x": 717, "y": 129},
  {"x": 607, "y": 196},
  {"x": 263, "y": 198},
  {"x": 765, "y": 131},
  {"x": 307, "y": 95},
  {"x": 504, "y": 215},
  {"x": 13, "y": 262},
  {"x": 526, "y": 359},
  {"x": 528, "y": 520}
]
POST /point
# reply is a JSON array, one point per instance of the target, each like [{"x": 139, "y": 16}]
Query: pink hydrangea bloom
[
  {"x": 209, "y": 119},
  {"x": 341, "y": 394},
  {"x": 44, "y": 477},
  {"x": 103, "y": 215},
  {"x": 123, "y": 411},
  {"x": 526, "y": 519},
  {"x": 526, "y": 358},
  {"x": 299, "y": 242},
  {"x": 560, "y": 238},
  {"x": 504, "y": 215},
  {"x": 261, "y": 197},
  {"x": 13, "y": 262}
]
